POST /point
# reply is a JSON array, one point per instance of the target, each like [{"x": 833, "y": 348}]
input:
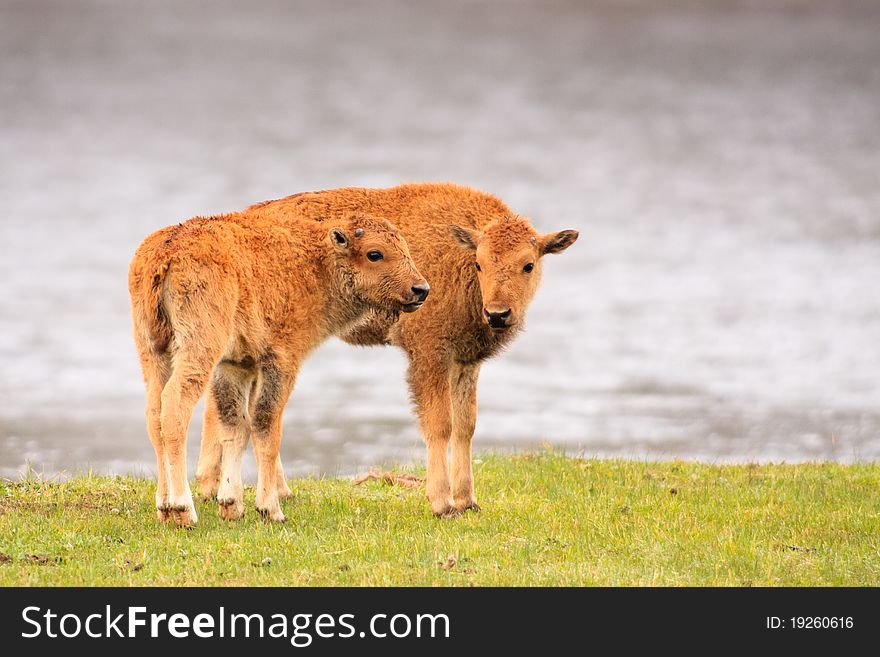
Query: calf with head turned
[
  {"x": 484, "y": 265},
  {"x": 233, "y": 305}
]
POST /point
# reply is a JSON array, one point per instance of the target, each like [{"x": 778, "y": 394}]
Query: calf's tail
[{"x": 157, "y": 323}]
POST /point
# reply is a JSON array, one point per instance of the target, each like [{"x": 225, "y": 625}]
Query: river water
[{"x": 721, "y": 160}]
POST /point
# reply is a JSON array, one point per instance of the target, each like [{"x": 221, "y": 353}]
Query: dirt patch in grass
[
  {"x": 794, "y": 548},
  {"x": 391, "y": 479},
  {"x": 41, "y": 559}
]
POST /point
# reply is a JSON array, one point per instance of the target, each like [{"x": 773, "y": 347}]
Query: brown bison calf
[
  {"x": 484, "y": 263},
  {"x": 234, "y": 304}
]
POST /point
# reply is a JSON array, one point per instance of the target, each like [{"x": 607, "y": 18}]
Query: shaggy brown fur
[
  {"x": 234, "y": 304},
  {"x": 475, "y": 253}
]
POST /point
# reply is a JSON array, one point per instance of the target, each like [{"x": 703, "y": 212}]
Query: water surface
[{"x": 721, "y": 160}]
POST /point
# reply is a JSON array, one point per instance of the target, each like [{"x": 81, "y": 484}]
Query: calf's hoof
[
  {"x": 208, "y": 487},
  {"x": 442, "y": 506},
  {"x": 448, "y": 511},
  {"x": 469, "y": 506},
  {"x": 184, "y": 516},
  {"x": 272, "y": 515},
  {"x": 230, "y": 508},
  {"x": 164, "y": 513},
  {"x": 283, "y": 489}
]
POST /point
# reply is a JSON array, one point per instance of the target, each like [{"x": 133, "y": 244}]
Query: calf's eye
[
  {"x": 529, "y": 267},
  {"x": 477, "y": 265},
  {"x": 374, "y": 256}
]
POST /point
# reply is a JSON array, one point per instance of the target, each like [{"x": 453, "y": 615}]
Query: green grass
[{"x": 547, "y": 520}]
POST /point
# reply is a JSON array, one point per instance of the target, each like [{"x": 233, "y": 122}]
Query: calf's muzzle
[
  {"x": 419, "y": 293},
  {"x": 497, "y": 318}
]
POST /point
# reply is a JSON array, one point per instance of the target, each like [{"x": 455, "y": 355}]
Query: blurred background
[{"x": 721, "y": 160}]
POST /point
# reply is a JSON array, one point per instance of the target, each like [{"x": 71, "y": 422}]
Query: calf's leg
[
  {"x": 280, "y": 481},
  {"x": 210, "y": 452},
  {"x": 463, "y": 382},
  {"x": 429, "y": 384},
  {"x": 156, "y": 372},
  {"x": 189, "y": 378},
  {"x": 275, "y": 385},
  {"x": 227, "y": 407},
  {"x": 230, "y": 494}
]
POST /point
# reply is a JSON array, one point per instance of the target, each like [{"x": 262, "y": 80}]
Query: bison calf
[
  {"x": 234, "y": 304},
  {"x": 484, "y": 262}
]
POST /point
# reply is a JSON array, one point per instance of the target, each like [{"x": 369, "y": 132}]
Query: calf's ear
[
  {"x": 464, "y": 236},
  {"x": 557, "y": 242},
  {"x": 339, "y": 239}
]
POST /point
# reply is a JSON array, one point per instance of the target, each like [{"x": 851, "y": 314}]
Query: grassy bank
[{"x": 546, "y": 520}]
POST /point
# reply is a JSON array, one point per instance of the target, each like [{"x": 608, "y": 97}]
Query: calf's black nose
[
  {"x": 420, "y": 291},
  {"x": 497, "y": 319}
]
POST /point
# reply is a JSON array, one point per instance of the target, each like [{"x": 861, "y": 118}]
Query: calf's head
[
  {"x": 508, "y": 262},
  {"x": 375, "y": 263}
]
